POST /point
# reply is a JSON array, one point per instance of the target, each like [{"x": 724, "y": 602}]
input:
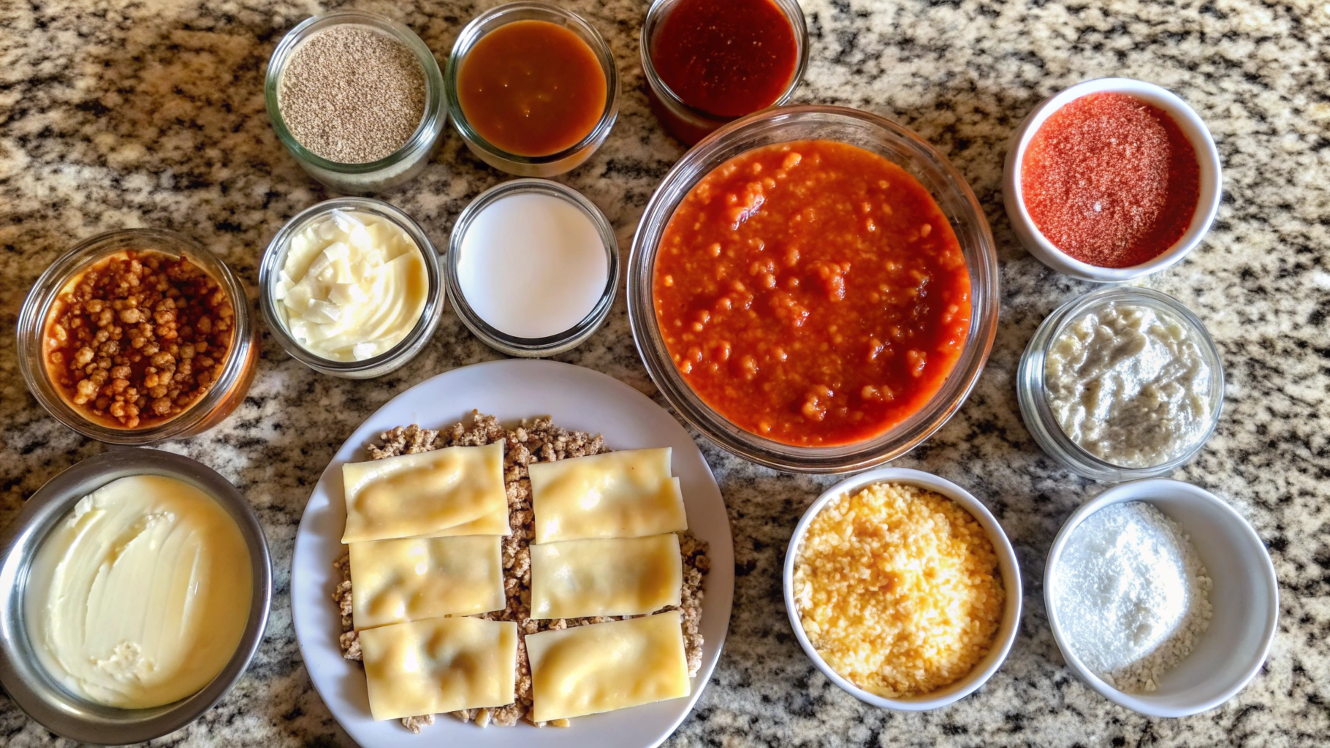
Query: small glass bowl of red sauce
[
  {"x": 709, "y": 62},
  {"x": 814, "y": 288},
  {"x": 1112, "y": 179},
  {"x": 534, "y": 88},
  {"x": 191, "y": 333}
]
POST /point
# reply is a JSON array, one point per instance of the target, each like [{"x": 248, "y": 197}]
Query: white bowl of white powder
[{"x": 1161, "y": 597}]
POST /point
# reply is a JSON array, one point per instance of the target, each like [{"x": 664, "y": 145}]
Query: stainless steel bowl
[{"x": 22, "y": 675}]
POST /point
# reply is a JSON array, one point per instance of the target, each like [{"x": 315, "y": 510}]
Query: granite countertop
[{"x": 117, "y": 114}]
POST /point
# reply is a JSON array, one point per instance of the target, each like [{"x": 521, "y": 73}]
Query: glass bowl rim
[
  {"x": 36, "y": 309},
  {"x": 408, "y": 346},
  {"x": 900, "y": 438},
  {"x": 470, "y": 36}
]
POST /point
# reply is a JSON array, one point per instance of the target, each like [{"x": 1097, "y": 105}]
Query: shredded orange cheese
[{"x": 898, "y": 589}]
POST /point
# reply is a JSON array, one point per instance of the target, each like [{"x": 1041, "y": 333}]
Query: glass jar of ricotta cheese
[
  {"x": 351, "y": 287},
  {"x": 1122, "y": 383}
]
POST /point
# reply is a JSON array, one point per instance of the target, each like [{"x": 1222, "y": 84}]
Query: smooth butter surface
[
  {"x": 605, "y": 577},
  {"x": 439, "y": 665},
  {"x": 415, "y": 578},
  {"x": 606, "y": 666},
  {"x": 615, "y": 495},
  {"x": 421, "y": 494},
  {"x": 140, "y": 596}
]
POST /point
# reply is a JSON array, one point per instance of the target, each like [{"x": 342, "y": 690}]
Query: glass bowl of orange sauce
[
  {"x": 535, "y": 90},
  {"x": 814, "y": 288}
]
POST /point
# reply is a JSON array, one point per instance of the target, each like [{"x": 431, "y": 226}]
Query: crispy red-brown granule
[{"x": 138, "y": 338}]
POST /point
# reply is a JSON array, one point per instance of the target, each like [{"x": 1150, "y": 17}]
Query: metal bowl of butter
[{"x": 167, "y": 632}]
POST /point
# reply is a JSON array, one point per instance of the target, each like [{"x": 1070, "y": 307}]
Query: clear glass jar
[
  {"x": 554, "y": 163},
  {"x": 402, "y": 165},
  {"x": 274, "y": 258},
  {"x": 532, "y": 347},
  {"x": 690, "y": 124},
  {"x": 1032, "y": 392},
  {"x": 883, "y": 138},
  {"x": 207, "y": 411}
]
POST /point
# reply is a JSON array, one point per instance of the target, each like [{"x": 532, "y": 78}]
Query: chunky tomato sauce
[{"x": 812, "y": 293}]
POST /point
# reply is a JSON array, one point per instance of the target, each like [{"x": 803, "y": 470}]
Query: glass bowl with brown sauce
[
  {"x": 536, "y": 89},
  {"x": 138, "y": 336}
]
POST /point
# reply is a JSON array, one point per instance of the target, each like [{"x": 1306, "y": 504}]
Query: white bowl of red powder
[{"x": 1112, "y": 179}]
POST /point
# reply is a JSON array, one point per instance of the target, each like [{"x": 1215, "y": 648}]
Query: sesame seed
[{"x": 352, "y": 94}]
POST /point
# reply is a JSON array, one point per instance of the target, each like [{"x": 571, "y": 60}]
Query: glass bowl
[
  {"x": 690, "y": 124},
  {"x": 1032, "y": 394},
  {"x": 274, "y": 257},
  {"x": 877, "y": 135},
  {"x": 209, "y": 410},
  {"x": 511, "y": 344},
  {"x": 554, "y": 163},
  {"x": 403, "y": 164}
]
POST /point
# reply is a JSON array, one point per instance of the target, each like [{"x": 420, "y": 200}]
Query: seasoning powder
[
  {"x": 1111, "y": 180},
  {"x": 352, "y": 94},
  {"x": 1131, "y": 595}
]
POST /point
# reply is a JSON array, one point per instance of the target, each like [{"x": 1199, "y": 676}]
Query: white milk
[{"x": 532, "y": 265}]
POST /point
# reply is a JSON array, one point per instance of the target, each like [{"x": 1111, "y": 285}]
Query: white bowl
[
  {"x": 1245, "y": 598},
  {"x": 1207, "y": 157},
  {"x": 1011, "y": 583}
]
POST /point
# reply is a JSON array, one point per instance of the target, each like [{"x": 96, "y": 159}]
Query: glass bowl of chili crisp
[
  {"x": 138, "y": 336},
  {"x": 814, "y": 288}
]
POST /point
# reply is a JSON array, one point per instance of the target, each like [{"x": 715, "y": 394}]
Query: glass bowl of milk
[{"x": 532, "y": 268}]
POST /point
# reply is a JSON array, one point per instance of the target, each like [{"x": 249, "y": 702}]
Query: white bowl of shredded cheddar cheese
[{"x": 902, "y": 589}]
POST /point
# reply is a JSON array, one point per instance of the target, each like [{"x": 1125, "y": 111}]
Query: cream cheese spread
[
  {"x": 352, "y": 287},
  {"x": 1129, "y": 385},
  {"x": 140, "y": 596}
]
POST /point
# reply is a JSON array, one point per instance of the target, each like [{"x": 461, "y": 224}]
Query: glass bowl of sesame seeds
[{"x": 357, "y": 99}]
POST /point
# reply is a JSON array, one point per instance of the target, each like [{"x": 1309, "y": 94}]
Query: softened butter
[
  {"x": 352, "y": 287},
  {"x": 140, "y": 596}
]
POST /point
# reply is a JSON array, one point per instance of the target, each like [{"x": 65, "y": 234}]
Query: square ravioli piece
[
  {"x": 605, "y": 577},
  {"x": 419, "y": 495},
  {"x": 606, "y": 666},
  {"x": 625, "y": 494},
  {"x": 439, "y": 665},
  {"x": 416, "y": 578}
]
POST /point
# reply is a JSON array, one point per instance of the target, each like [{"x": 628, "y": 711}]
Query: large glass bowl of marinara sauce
[{"x": 814, "y": 288}]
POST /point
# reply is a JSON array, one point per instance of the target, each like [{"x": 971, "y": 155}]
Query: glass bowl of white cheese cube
[
  {"x": 1122, "y": 383},
  {"x": 351, "y": 287}
]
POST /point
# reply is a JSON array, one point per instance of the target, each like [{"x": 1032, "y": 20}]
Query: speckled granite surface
[{"x": 116, "y": 113}]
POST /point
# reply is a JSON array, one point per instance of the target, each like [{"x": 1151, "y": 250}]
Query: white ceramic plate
[{"x": 578, "y": 399}]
